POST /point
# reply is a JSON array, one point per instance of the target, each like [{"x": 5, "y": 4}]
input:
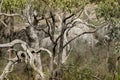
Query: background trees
[{"x": 52, "y": 21}]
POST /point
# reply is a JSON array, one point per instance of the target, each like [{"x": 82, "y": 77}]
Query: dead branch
[
  {"x": 17, "y": 41},
  {"x": 49, "y": 24},
  {"x": 3, "y": 23},
  {"x": 29, "y": 56},
  {"x": 12, "y": 15},
  {"x": 9, "y": 15},
  {"x": 95, "y": 30},
  {"x": 68, "y": 17},
  {"x": 79, "y": 36},
  {"x": 11, "y": 44},
  {"x": 9, "y": 67},
  {"x": 43, "y": 49},
  {"x": 95, "y": 77}
]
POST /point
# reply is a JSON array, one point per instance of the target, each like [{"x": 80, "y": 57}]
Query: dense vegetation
[{"x": 100, "y": 62}]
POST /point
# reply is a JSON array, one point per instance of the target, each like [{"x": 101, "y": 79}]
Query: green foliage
[
  {"x": 69, "y": 5},
  {"x": 64, "y": 5},
  {"x": 118, "y": 77},
  {"x": 109, "y": 9},
  {"x": 13, "y": 5},
  {"x": 44, "y": 5}
]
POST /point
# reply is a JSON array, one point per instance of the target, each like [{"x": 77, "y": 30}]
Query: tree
[
  {"x": 59, "y": 18},
  {"x": 109, "y": 10},
  {"x": 65, "y": 7}
]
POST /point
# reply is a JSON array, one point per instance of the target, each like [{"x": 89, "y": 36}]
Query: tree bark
[{"x": 59, "y": 74}]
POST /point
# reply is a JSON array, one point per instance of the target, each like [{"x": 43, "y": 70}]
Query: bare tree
[{"x": 31, "y": 52}]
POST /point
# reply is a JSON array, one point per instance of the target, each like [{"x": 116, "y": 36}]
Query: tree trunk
[{"x": 59, "y": 72}]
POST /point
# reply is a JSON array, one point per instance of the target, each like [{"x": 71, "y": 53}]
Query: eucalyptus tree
[{"x": 59, "y": 18}]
